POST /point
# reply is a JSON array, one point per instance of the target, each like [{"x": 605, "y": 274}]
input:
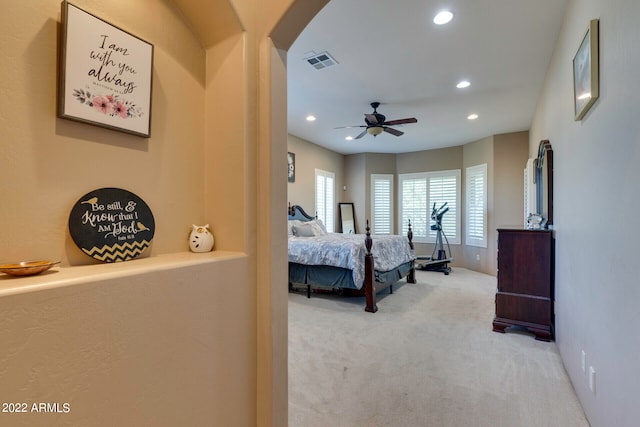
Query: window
[
  {"x": 413, "y": 205},
  {"x": 382, "y": 204},
  {"x": 476, "y": 187},
  {"x": 325, "y": 198},
  {"x": 419, "y": 193}
]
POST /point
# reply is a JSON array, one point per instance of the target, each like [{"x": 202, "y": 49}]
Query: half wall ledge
[{"x": 59, "y": 276}]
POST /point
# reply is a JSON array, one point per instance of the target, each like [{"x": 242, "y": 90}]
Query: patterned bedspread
[{"x": 347, "y": 251}]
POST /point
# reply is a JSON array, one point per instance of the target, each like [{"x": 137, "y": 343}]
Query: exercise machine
[{"x": 439, "y": 260}]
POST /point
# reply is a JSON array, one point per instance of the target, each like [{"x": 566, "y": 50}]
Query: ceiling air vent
[{"x": 321, "y": 60}]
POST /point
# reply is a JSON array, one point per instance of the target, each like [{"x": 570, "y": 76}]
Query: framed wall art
[
  {"x": 111, "y": 225},
  {"x": 586, "y": 71},
  {"x": 105, "y": 76},
  {"x": 291, "y": 170}
]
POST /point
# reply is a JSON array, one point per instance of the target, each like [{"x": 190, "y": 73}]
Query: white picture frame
[{"x": 106, "y": 74}]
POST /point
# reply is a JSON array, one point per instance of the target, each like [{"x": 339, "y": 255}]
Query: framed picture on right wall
[{"x": 585, "y": 72}]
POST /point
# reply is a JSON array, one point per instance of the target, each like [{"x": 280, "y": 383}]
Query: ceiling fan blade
[
  {"x": 401, "y": 121},
  {"x": 371, "y": 118},
  {"x": 364, "y": 132},
  {"x": 393, "y": 131},
  {"x": 354, "y": 126}
]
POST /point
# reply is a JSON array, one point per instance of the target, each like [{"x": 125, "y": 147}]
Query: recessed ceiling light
[
  {"x": 472, "y": 116},
  {"x": 463, "y": 84},
  {"x": 443, "y": 17},
  {"x": 311, "y": 118},
  {"x": 349, "y": 138}
]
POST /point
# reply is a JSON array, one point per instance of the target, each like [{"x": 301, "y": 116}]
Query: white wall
[{"x": 595, "y": 210}]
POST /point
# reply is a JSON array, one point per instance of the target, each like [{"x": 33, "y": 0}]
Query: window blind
[
  {"x": 413, "y": 205},
  {"x": 444, "y": 189},
  {"x": 419, "y": 193},
  {"x": 382, "y": 204},
  {"x": 476, "y": 187},
  {"x": 325, "y": 198}
]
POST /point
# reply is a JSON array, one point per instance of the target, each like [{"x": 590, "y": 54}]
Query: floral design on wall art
[{"x": 110, "y": 105}]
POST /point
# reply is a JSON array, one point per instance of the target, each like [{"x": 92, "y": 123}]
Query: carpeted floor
[{"x": 428, "y": 357}]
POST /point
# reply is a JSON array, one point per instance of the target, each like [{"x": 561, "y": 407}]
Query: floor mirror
[{"x": 347, "y": 218}]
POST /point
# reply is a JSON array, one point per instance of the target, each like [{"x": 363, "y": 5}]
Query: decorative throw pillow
[
  {"x": 319, "y": 223},
  {"x": 290, "y": 225},
  {"x": 303, "y": 231}
]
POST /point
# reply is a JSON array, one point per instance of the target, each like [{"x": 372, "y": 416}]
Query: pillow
[
  {"x": 291, "y": 223},
  {"x": 304, "y": 230},
  {"x": 318, "y": 230},
  {"x": 319, "y": 223},
  {"x": 316, "y": 225}
]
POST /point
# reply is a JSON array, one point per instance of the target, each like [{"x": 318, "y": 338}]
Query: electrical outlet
[
  {"x": 592, "y": 379},
  {"x": 477, "y": 257},
  {"x": 584, "y": 361}
]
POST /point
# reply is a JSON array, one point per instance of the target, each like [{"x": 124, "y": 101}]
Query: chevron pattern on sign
[{"x": 118, "y": 252}]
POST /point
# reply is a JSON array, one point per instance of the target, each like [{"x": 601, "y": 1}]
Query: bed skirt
[{"x": 340, "y": 278}]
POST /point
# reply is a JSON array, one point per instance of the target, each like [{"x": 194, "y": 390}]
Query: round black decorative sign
[{"x": 111, "y": 224}]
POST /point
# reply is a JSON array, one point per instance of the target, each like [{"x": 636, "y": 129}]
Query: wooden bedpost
[
  {"x": 411, "y": 277},
  {"x": 369, "y": 288}
]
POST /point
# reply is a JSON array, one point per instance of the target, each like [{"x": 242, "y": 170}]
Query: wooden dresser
[{"x": 525, "y": 292}]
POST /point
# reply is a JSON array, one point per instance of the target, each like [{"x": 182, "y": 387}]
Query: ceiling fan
[{"x": 377, "y": 123}]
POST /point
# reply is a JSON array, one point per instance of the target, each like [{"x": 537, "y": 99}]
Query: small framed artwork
[
  {"x": 585, "y": 72},
  {"x": 105, "y": 76},
  {"x": 111, "y": 225},
  {"x": 291, "y": 161}
]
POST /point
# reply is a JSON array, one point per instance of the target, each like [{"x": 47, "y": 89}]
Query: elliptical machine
[{"x": 441, "y": 261}]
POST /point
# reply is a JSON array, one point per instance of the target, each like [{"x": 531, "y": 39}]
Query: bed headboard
[{"x": 296, "y": 212}]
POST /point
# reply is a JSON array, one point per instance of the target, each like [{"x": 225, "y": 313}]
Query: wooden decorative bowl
[{"x": 27, "y": 268}]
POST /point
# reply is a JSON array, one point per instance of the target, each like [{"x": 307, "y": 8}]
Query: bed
[{"x": 357, "y": 263}]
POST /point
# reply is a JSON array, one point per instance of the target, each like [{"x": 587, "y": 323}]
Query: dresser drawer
[{"x": 523, "y": 308}]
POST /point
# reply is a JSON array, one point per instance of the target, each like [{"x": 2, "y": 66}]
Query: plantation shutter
[
  {"x": 476, "y": 186},
  {"x": 382, "y": 204},
  {"x": 444, "y": 189},
  {"x": 413, "y": 205},
  {"x": 418, "y": 194},
  {"x": 325, "y": 198}
]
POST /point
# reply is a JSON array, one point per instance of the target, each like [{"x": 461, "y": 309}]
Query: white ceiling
[{"x": 392, "y": 52}]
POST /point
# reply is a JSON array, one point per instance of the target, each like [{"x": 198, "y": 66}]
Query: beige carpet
[{"x": 428, "y": 357}]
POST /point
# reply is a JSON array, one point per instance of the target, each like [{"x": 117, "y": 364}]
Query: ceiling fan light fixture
[
  {"x": 376, "y": 123},
  {"x": 375, "y": 130}
]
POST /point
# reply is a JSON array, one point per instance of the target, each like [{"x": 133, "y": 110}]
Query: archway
[{"x": 272, "y": 193}]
